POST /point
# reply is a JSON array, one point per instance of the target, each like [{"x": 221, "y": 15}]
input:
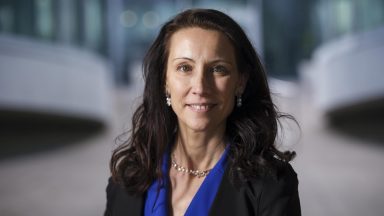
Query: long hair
[{"x": 251, "y": 128}]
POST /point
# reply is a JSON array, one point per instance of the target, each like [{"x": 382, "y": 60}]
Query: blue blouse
[{"x": 156, "y": 203}]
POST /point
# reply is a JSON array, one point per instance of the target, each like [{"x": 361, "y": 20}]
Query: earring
[
  {"x": 239, "y": 101},
  {"x": 168, "y": 99}
]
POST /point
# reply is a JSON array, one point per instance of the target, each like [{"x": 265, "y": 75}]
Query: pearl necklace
[{"x": 182, "y": 169}]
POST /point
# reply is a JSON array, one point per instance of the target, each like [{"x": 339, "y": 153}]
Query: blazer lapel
[
  {"x": 135, "y": 206},
  {"x": 126, "y": 204},
  {"x": 231, "y": 201},
  {"x": 223, "y": 203}
]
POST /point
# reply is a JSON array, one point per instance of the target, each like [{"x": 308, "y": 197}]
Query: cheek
[
  {"x": 227, "y": 89},
  {"x": 176, "y": 87}
]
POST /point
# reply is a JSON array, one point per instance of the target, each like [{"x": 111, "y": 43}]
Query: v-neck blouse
[{"x": 156, "y": 202}]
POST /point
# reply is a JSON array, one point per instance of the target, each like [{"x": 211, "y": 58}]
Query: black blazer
[{"x": 265, "y": 196}]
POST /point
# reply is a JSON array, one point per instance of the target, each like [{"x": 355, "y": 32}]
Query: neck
[{"x": 198, "y": 150}]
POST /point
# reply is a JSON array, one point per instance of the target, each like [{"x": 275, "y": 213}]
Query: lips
[{"x": 201, "y": 107}]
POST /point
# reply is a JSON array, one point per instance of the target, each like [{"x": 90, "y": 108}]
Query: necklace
[{"x": 182, "y": 169}]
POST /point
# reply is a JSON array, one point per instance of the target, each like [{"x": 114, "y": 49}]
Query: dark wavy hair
[{"x": 251, "y": 128}]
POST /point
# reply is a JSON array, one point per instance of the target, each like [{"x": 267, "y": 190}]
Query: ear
[
  {"x": 166, "y": 90},
  {"x": 242, "y": 84}
]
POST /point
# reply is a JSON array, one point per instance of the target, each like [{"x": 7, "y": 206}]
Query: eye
[
  {"x": 184, "y": 68},
  {"x": 220, "y": 69}
]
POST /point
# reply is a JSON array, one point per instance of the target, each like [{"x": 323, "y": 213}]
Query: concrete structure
[
  {"x": 347, "y": 72},
  {"x": 47, "y": 79}
]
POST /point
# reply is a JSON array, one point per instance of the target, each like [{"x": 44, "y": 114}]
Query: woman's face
[{"x": 202, "y": 78}]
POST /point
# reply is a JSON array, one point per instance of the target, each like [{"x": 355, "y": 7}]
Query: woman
[{"x": 202, "y": 141}]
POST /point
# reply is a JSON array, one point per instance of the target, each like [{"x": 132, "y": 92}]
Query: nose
[{"x": 200, "y": 82}]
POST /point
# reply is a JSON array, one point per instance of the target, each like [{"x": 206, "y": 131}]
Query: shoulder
[
  {"x": 120, "y": 202},
  {"x": 280, "y": 174},
  {"x": 278, "y": 192},
  {"x": 272, "y": 195}
]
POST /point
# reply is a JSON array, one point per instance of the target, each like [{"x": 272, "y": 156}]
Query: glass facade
[
  {"x": 335, "y": 18},
  {"x": 73, "y": 22},
  {"x": 293, "y": 30},
  {"x": 121, "y": 30}
]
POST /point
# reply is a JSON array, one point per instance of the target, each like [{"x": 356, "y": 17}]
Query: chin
[{"x": 198, "y": 126}]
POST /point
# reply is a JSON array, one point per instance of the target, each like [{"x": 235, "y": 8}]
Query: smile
[{"x": 201, "y": 107}]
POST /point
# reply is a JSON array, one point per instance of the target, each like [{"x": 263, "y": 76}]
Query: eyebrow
[
  {"x": 214, "y": 61},
  {"x": 183, "y": 58}
]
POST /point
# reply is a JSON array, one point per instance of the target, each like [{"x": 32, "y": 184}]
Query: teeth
[{"x": 200, "y": 107}]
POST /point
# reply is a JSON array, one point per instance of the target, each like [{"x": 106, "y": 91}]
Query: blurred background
[{"x": 70, "y": 76}]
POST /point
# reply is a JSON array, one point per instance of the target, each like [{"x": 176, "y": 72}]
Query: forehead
[{"x": 196, "y": 41}]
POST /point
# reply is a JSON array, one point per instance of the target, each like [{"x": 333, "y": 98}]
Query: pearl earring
[
  {"x": 239, "y": 101},
  {"x": 168, "y": 99}
]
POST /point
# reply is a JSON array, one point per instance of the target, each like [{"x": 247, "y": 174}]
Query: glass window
[
  {"x": 6, "y": 18},
  {"x": 44, "y": 19}
]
